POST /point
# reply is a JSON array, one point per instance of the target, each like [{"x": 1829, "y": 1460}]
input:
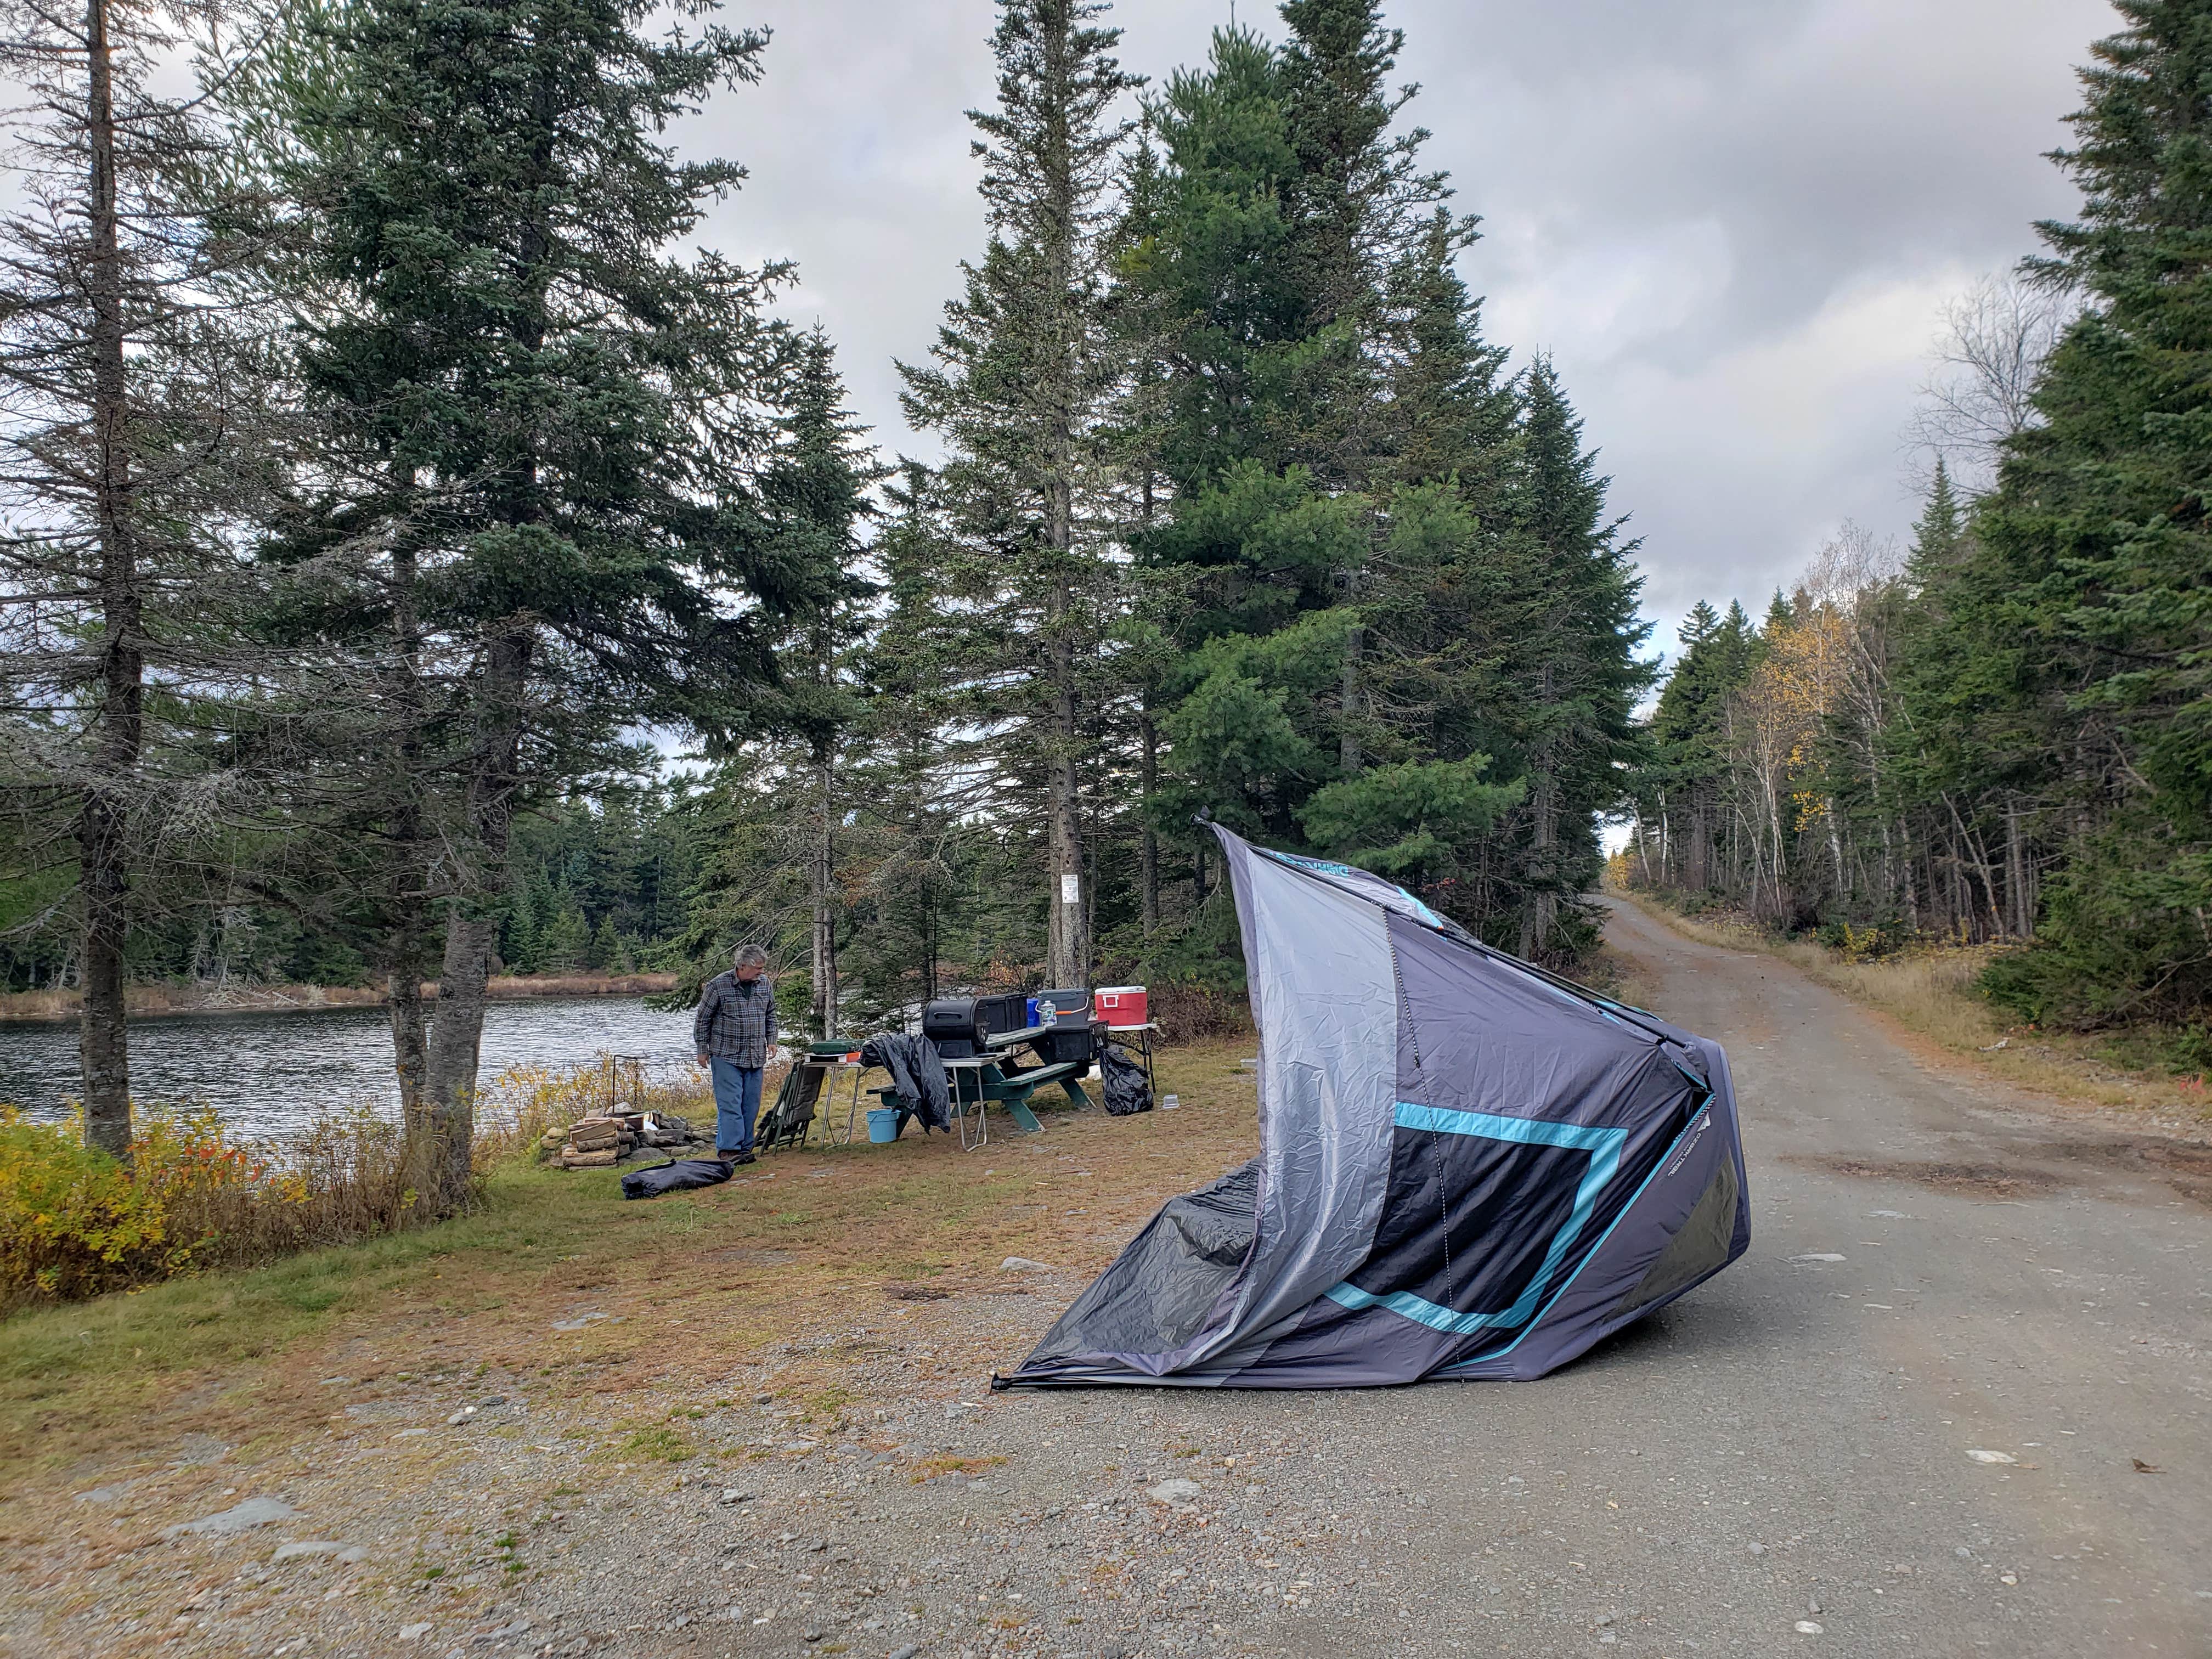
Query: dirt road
[{"x": 1955, "y": 1401}]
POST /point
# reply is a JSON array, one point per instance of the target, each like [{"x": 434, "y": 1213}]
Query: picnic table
[{"x": 974, "y": 1082}]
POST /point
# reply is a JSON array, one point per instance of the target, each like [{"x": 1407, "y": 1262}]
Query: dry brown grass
[
  {"x": 1931, "y": 992},
  {"x": 524, "y": 1102},
  {"x": 705, "y": 1283}
]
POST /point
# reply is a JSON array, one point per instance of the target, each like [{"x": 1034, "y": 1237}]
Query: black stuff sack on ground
[
  {"x": 674, "y": 1177},
  {"x": 1127, "y": 1088}
]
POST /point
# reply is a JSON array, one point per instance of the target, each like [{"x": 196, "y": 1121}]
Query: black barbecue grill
[{"x": 960, "y": 1026}]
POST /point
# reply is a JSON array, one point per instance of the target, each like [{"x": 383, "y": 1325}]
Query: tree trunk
[
  {"x": 1347, "y": 731},
  {"x": 118, "y": 722},
  {"x": 1067, "y": 941},
  {"x": 472, "y": 928},
  {"x": 1068, "y": 937},
  {"x": 408, "y": 944},
  {"x": 1539, "y": 919},
  {"x": 409, "y": 1019},
  {"x": 1148, "y": 844},
  {"x": 447, "y": 1107},
  {"x": 824, "y": 869}
]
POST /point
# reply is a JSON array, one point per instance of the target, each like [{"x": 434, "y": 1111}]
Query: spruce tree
[
  {"x": 560, "y": 410},
  {"x": 131, "y": 457},
  {"x": 1452, "y": 416},
  {"x": 1024, "y": 368},
  {"x": 1576, "y": 669},
  {"x": 1258, "y": 543},
  {"x": 2090, "y": 569},
  {"x": 1682, "y": 781},
  {"x": 1939, "y": 534},
  {"x": 815, "y": 498},
  {"x": 779, "y": 805},
  {"x": 606, "y": 951}
]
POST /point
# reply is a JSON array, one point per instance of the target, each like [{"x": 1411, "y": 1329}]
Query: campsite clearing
[{"x": 754, "y": 1398}]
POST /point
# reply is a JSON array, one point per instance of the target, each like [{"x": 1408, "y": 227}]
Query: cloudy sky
[{"x": 1732, "y": 223}]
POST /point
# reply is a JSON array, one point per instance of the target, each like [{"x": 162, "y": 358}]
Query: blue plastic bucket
[{"x": 883, "y": 1124}]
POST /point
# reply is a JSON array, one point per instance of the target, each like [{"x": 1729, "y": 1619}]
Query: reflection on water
[{"x": 274, "y": 1072}]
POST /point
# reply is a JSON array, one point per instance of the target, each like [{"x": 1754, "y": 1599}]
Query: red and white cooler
[{"x": 1120, "y": 1005}]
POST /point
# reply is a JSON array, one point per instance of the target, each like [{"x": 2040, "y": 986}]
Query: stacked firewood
[{"x": 606, "y": 1138}]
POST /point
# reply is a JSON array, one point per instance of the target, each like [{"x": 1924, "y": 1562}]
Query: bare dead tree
[{"x": 1980, "y": 389}]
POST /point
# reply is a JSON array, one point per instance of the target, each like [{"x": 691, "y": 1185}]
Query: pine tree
[
  {"x": 521, "y": 950},
  {"x": 563, "y": 946},
  {"x": 913, "y": 749},
  {"x": 1342, "y": 540},
  {"x": 1024, "y": 368},
  {"x": 1258, "y": 544},
  {"x": 606, "y": 953},
  {"x": 1940, "y": 534},
  {"x": 1684, "y": 781}
]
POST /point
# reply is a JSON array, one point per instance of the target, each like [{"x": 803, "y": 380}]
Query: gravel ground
[{"x": 1954, "y": 1402}]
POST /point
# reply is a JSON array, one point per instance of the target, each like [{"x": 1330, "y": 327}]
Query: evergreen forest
[
  {"x": 2003, "y": 734},
  {"x": 421, "y": 560}
]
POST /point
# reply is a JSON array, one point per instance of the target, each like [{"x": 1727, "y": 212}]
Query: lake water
[{"x": 276, "y": 1071}]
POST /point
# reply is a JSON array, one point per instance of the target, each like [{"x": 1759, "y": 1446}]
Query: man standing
[{"x": 734, "y": 1032}]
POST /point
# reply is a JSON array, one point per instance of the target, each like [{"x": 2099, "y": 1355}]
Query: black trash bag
[
  {"x": 917, "y": 1074},
  {"x": 674, "y": 1177},
  {"x": 1127, "y": 1088}
]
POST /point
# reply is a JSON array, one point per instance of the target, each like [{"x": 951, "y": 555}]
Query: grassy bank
[
  {"x": 1931, "y": 993},
  {"x": 148, "y": 1002},
  {"x": 684, "y": 1286},
  {"x": 74, "y": 1222}
]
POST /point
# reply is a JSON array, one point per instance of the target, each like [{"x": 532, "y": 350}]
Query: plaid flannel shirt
[{"x": 733, "y": 1026}]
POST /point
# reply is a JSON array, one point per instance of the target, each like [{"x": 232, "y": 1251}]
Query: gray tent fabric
[{"x": 1468, "y": 1167}]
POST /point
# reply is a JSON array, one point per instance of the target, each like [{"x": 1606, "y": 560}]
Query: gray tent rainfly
[{"x": 1468, "y": 1168}]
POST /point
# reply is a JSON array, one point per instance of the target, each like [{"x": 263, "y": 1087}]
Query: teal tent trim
[{"x": 1603, "y": 1145}]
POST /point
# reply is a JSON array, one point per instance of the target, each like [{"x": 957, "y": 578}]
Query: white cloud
[{"x": 1732, "y": 223}]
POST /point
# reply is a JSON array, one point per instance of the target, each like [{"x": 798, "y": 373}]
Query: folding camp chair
[{"x": 786, "y": 1122}]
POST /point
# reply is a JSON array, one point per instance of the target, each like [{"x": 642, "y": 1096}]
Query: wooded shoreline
[{"x": 150, "y": 1001}]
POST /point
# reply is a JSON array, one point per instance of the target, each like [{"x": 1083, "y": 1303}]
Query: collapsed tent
[{"x": 1467, "y": 1167}]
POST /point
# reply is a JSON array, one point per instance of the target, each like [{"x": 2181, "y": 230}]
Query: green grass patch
[{"x": 661, "y": 1444}]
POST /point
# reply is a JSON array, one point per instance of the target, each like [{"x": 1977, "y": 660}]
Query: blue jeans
[{"x": 737, "y": 1104}]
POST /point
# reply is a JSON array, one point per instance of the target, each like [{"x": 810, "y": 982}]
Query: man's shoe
[
  {"x": 728, "y": 1154},
  {"x": 744, "y": 1157}
]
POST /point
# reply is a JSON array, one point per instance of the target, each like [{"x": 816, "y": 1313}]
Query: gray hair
[{"x": 750, "y": 955}]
